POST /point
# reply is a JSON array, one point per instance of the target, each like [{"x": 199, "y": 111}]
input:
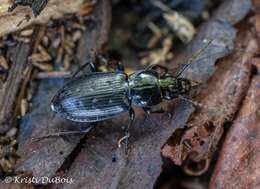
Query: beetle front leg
[
  {"x": 127, "y": 133},
  {"x": 156, "y": 66}
]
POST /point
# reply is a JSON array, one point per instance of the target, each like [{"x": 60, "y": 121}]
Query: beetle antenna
[
  {"x": 194, "y": 56},
  {"x": 199, "y": 105}
]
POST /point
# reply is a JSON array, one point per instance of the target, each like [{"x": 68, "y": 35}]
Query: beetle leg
[
  {"x": 93, "y": 68},
  {"x": 62, "y": 133},
  {"x": 127, "y": 133},
  {"x": 147, "y": 110},
  {"x": 156, "y": 66}
]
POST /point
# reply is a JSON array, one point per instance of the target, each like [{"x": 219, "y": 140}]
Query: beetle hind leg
[
  {"x": 127, "y": 135},
  {"x": 61, "y": 134}
]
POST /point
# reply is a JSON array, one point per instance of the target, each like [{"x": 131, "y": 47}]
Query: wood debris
[{"x": 17, "y": 19}]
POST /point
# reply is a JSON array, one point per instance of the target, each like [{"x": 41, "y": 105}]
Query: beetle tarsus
[
  {"x": 127, "y": 132},
  {"x": 123, "y": 139}
]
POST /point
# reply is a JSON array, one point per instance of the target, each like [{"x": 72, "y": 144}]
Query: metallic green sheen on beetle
[{"x": 102, "y": 95}]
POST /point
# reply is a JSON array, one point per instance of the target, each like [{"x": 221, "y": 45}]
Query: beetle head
[{"x": 172, "y": 86}]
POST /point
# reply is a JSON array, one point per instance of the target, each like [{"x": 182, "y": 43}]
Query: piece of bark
[
  {"x": 45, "y": 157},
  {"x": 221, "y": 98},
  {"x": 18, "y": 73},
  {"x": 238, "y": 163},
  {"x": 14, "y": 88},
  {"x": 220, "y": 28},
  {"x": 92, "y": 41},
  {"x": 16, "y": 20}
]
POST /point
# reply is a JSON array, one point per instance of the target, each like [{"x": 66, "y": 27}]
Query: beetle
[{"x": 102, "y": 95}]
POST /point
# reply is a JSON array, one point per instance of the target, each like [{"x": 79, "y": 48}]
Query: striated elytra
[{"x": 102, "y": 95}]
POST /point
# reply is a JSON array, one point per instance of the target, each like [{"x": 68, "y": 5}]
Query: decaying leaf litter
[{"x": 66, "y": 42}]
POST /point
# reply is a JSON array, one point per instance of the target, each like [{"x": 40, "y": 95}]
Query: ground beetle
[{"x": 102, "y": 95}]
